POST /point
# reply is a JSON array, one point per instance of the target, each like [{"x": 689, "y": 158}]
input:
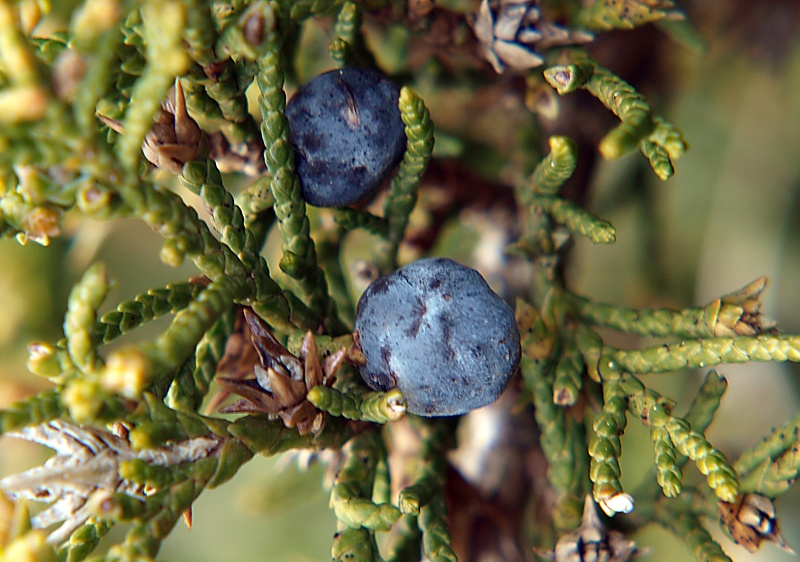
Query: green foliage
[{"x": 172, "y": 114}]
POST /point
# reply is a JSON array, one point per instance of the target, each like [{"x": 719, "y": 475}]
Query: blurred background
[{"x": 728, "y": 216}]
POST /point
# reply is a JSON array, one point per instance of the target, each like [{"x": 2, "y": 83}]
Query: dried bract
[
  {"x": 245, "y": 157},
  {"x": 751, "y": 521},
  {"x": 592, "y": 542},
  {"x": 511, "y": 31},
  {"x": 739, "y": 313},
  {"x": 175, "y": 137},
  {"x": 86, "y": 467},
  {"x": 282, "y": 380}
]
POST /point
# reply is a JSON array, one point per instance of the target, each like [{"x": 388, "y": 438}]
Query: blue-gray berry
[
  {"x": 435, "y": 330},
  {"x": 347, "y": 133}
]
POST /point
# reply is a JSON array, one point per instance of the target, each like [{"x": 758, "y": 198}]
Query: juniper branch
[
  {"x": 699, "y": 417},
  {"x": 186, "y": 235},
  {"x": 605, "y": 449},
  {"x": 193, "y": 382},
  {"x": 129, "y": 371},
  {"x": 204, "y": 179},
  {"x": 568, "y": 380},
  {"x": 688, "y": 528},
  {"x": 404, "y": 186},
  {"x": 377, "y": 407},
  {"x": 23, "y": 99},
  {"x": 354, "y": 545},
  {"x": 435, "y": 534},
  {"x": 707, "y": 353},
  {"x": 705, "y": 403},
  {"x": 267, "y": 438},
  {"x": 772, "y": 465},
  {"x": 223, "y": 94},
  {"x": 144, "y": 308},
  {"x": 166, "y": 58},
  {"x": 345, "y": 30},
  {"x": 405, "y": 543},
  {"x": 199, "y": 33},
  {"x": 79, "y": 323},
  {"x": 554, "y": 169},
  {"x": 350, "y": 219},
  {"x": 604, "y": 15},
  {"x": 37, "y": 409},
  {"x": 351, "y": 494},
  {"x": 736, "y": 314},
  {"x": 84, "y": 540},
  {"x": 637, "y": 124},
  {"x": 650, "y": 406},
  {"x": 157, "y": 515},
  {"x": 437, "y": 438},
  {"x": 563, "y": 439},
  {"x": 99, "y": 75},
  {"x": 579, "y": 220},
  {"x": 299, "y": 254},
  {"x": 668, "y": 473}
]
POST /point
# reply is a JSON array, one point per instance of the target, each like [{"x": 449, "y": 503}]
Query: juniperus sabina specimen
[{"x": 172, "y": 113}]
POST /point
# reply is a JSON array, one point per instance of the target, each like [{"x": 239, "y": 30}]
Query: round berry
[
  {"x": 435, "y": 330},
  {"x": 347, "y": 133}
]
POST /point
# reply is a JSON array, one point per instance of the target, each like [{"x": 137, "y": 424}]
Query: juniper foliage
[{"x": 170, "y": 113}]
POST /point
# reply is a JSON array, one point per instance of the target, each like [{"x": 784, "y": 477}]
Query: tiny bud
[
  {"x": 30, "y": 13},
  {"x": 396, "y": 403},
  {"x": 95, "y": 17},
  {"x": 22, "y": 103},
  {"x": 43, "y": 360},
  {"x": 103, "y": 505},
  {"x": 257, "y": 23},
  {"x": 30, "y": 546},
  {"x": 126, "y": 372},
  {"x": 84, "y": 399},
  {"x": 171, "y": 253},
  {"x": 42, "y": 223},
  {"x": 68, "y": 73},
  {"x": 92, "y": 198}
]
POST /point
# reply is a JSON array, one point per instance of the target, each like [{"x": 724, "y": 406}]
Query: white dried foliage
[{"x": 86, "y": 466}]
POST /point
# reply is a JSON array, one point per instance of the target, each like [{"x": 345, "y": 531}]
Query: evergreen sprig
[
  {"x": 351, "y": 496},
  {"x": 660, "y": 141},
  {"x": 79, "y": 323},
  {"x": 376, "y": 407},
  {"x": 687, "y": 526},
  {"x": 166, "y": 58},
  {"x": 145, "y": 307},
  {"x": 605, "y": 449},
  {"x": 346, "y": 31},
  {"x": 299, "y": 254},
  {"x": 405, "y": 184},
  {"x": 603, "y": 15},
  {"x": 772, "y": 465},
  {"x": 708, "y": 353},
  {"x": 735, "y": 314}
]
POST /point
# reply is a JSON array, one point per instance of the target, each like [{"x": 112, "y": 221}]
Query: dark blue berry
[
  {"x": 435, "y": 330},
  {"x": 347, "y": 133}
]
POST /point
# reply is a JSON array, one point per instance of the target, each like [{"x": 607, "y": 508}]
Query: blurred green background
[{"x": 727, "y": 217}]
